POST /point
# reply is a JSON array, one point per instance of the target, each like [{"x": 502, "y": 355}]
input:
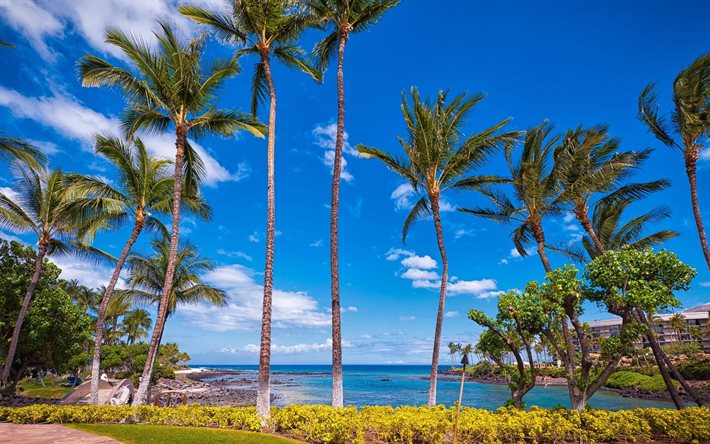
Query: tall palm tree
[
  {"x": 136, "y": 324},
  {"x": 588, "y": 163},
  {"x": 535, "y": 191},
  {"x": 145, "y": 187},
  {"x": 116, "y": 309},
  {"x": 439, "y": 158},
  {"x": 13, "y": 148},
  {"x": 265, "y": 29},
  {"x": 41, "y": 205},
  {"x": 678, "y": 323},
  {"x": 690, "y": 121},
  {"x": 169, "y": 87},
  {"x": 346, "y": 17},
  {"x": 147, "y": 275},
  {"x": 613, "y": 234}
]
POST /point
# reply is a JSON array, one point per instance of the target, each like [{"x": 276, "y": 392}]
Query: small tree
[
  {"x": 513, "y": 332},
  {"x": 641, "y": 282}
]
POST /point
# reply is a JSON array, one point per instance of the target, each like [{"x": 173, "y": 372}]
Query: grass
[
  {"x": 151, "y": 434},
  {"x": 29, "y": 388}
]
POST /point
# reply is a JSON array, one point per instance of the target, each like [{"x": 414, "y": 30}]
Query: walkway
[{"x": 48, "y": 433}]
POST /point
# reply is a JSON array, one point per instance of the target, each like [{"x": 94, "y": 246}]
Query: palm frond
[{"x": 420, "y": 209}]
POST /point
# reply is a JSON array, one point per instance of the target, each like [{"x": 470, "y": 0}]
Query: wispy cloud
[{"x": 325, "y": 136}]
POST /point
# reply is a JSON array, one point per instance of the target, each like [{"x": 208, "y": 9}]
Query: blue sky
[{"x": 569, "y": 62}]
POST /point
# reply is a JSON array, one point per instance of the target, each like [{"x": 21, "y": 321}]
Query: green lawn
[
  {"x": 151, "y": 434},
  {"x": 52, "y": 389}
]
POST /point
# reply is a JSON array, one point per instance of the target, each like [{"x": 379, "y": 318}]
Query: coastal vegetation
[
  {"x": 426, "y": 425},
  {"x": 53, "y": 326}
]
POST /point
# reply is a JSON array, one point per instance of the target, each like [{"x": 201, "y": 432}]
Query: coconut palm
[
  {"x": 439, "y": 158},
  {"x": 145, "y": 188},
  {"x": 39, "y": 204},
  {"x": 690, "y": 121},
  {"x": 613, "y": 234},
  {"x": 678, "y": 323},
  {"x": 147, "y": 275},
  {"x": 13, "y": 148},
  {"x": 588, "y": 163},
  {"x": 536, "y": 193},
  {"x": 264, "y": 29},
  {"x": 169, "y": 87},
  {"x": 136, "y": 324},
  {"x": 346, "y": 17},
  {"x": 115, "y": 310}
]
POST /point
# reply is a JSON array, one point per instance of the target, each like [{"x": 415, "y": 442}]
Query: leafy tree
[
  {"x": 55, "y": 331},
  {"x": 641, "y": 282},
  {"x": 136, "y": 324},
  {"x": 13, "y": 148},
  {"x": 512, "y": 331},
  {"x": 535, "y": 191},
  {"x": 264, "y": 29},
  {"x": 169, "y": 87},
  {"x": 613, "y": 234},
  {"x": 344, "y": 17},
  {"x": 41, "y": 204},
  {"x": 560, "y": 300},
  {"x": 690, "y": 121},
  {"x": 588, "y": 163},
  {"x": 439, "y": 158}
]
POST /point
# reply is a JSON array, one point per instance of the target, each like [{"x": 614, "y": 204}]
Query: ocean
[{"x": 404, "y": 385}]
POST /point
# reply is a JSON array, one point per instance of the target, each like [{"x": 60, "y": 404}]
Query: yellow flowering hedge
[{"x": 323, "y": 424}]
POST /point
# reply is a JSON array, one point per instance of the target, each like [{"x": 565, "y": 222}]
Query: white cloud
[
  {"x": 514, "y": 255},
  {"x": 71, "y": 119},
  {"x": 569, "y": 217},
  {"x": 705, "y": 154},
  {"x": 351, "y": 309},
  {"x": 421, "y": 262},
  {"x": 402, "y": 196},
  {"x": 34, "y": 22},
  {"x": 425, "y": 284},
  {"x": 87, "y": 273},
  {"x": 462, "y": 232},
  {"x": 477, "y": 288},
  {"x": 445, "y": 206},
  {"x": 316, "y": 244},
  {"x": 239, "y": 254},
  {"x": 325, "y": 138},
  {"x": 285, "y": 349},
  {"x": 254, "y": 237},
  {"x": 705, "y": 284},
  {"x": 417, "y": 274},
  {"x": 451, "y": 314},
  {"x": 10, "y": 237},
  {"x": 394, "y": 254},
  {"x": 407, "y": 318},
  {"x": 290, "y": 308}
]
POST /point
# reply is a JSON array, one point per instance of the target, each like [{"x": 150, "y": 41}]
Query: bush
[
  {"x": 654, "y": 384},
  {"x": 426, "y": 425},
  {"x": 695, "y": 370},
  {"x": 626, "y": 379}
]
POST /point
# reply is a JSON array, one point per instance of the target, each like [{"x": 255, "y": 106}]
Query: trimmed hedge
[
  {"x": 323, "y": 424},
  {"x": 643, "y": 383}
]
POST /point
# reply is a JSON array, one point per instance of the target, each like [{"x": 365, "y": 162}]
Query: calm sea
[{"x": 404, "y": 385}]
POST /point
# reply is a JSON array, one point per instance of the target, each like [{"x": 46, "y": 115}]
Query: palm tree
[
  {"x": 147, "y": 275},
  {"x": 613, "y": 234},
  {"x": 346, "y": 17},
  {"x": 169, "y": 88},
  {"x": 265, "y": 29},
  {"x": 438, "y": 158},
  {"x": 8, "y": 45},
  {"x": 115, "y": 310},
  {"x": 136, "y": 324},
  {"x": 588, "y": 163},
  {"x": 690, "y": 121},
  {"x": 678, "y": 323},
  {"x": 19, "y": 149},
  {"x": 145, "y": 187},
  {"x": 535, "y": 189},
  {"x": 41, "y": 205}
]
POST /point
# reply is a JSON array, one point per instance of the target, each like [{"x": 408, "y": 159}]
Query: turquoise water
[{"x": 404, "y": 385}]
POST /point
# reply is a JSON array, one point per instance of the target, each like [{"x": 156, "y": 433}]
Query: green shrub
[
  {"x": 695, "y": 370},
  {"x": 626, "y": 379},
  {"x": 425, "y": 425},
  {"x": 654, "y": 384}
]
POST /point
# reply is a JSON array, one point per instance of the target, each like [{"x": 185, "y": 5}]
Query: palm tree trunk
[
  {"x": 337, "y": 367},
  {"x": 580, "y": 211},
  {"x": 263, "y": 394},
  {"x": 180, "y": 142},
  {"x": 39, "y": 261},
  {"x": 434, "y": 198},
  {"x": 691, "y": 159},
  {"x": 539, "y": 236},
  {"x": 656, "y": 349},
  {"x": 98, "y": 338}
]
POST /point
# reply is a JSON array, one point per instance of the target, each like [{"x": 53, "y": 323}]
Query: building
[{"x": 697, "y": 318}]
